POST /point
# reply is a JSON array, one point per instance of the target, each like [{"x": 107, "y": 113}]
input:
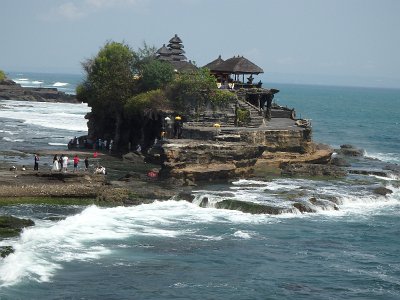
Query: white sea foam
[
  {"x": 242, "y": 234},
  {"x": 51, "y": 115},
  {"x": 42, "y": 250},
  {"x": 386, "y": 157},
  {"x": 7, "y": 139},
  {"x": 8, "y": 132},
  {"x": 57, "y": 144},
  {"x": 59, "y": 84}
]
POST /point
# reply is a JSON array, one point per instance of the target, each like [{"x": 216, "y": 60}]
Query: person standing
[
  {"x": 36, "y": 166},
  {"x": 76, "y": 162},
  {"x": 64, "y": 163},
  {"x": 86, "y": 163},
  {"x": 55, "y": 164}
]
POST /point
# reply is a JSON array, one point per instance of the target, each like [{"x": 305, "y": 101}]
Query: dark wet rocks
[
  {"x": 350, "y": 150},
  {"x": 250, "y": 207},
  {"x": 312, "y": 170},
  {"x": 340, "y": 162},
  {"x": 6, "y": 250},
  {"x": 369, "y": 172},
  {"x": 11, "y": 226},
  {"x": 382, "y": 191}
]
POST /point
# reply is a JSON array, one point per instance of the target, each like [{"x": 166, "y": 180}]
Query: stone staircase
[{"x": 256, "y": 118}]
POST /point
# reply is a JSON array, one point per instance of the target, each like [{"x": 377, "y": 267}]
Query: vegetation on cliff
[
  {"x": 130, "y": 92},
  {"x": 2, "y": 75}
]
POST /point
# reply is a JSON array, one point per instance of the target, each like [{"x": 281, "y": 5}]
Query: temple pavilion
[{"x": 233, "y": 71}]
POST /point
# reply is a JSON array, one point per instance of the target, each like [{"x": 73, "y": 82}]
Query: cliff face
[
  {"x": 9, "y": 90},
  {"x": 208, "y": 154},
  {"x": 208, "y": 160}
]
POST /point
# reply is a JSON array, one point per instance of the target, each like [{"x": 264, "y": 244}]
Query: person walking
[
  {"x": 76, "y": 162},
  {"x": 36, "y": 166}
]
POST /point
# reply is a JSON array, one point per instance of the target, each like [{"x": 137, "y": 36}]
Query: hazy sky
[{"x": 354, "y": 42}]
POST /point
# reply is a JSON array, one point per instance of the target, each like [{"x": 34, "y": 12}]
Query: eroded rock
[{"x": 11, "y": 226}]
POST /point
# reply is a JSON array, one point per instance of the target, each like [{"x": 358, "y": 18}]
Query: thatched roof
[
  {"x": 215, "y": 63},
  {"x": 237, "y": 65},
  {"x": 182, "y": 66},
  {"x": 163, "y": 51},
  {"x": 175, "y": 40}
]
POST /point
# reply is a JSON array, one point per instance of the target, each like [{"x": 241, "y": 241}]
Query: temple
[
  {"x": 234, "y": 74},
  {"x": 248, "y": 134}
]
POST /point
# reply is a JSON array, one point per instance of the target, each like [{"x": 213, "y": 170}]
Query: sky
[{"x": 334, "y": 42}]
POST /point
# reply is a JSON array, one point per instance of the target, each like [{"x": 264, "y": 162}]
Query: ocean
[{"x": 178, "y": 250}]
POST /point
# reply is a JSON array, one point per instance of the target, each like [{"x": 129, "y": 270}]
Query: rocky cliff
[
  {"x": 192, "y": 160},
  {"x": 9, "y": 90}
]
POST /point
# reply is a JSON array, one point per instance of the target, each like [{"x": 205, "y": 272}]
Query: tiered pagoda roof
[{"x": 174, "y": 54}]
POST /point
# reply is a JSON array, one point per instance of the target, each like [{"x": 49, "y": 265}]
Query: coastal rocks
[
  {"x": 303, "y": 208},
  {"x": 9, "y": 90},
  {"x": 313, "y": 170},
  {"x": 11, "y": 226},
  {"x": 208, "y": 160},
  {"x": 31, "y": 184},
  {"x": 249, "y": 207},
  {"x": 340, "y": 162},
  {"x": 350, "y": 150},
  {"x": 6, "y": 250},
  {"x": 369, "y": 172},
  {"x": 382, "y": 191}
]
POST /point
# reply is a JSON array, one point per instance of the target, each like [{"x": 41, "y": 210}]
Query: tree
[
  {"x": 2, "y": 75},
  {"x": 156, "y": 74},
  {"x": 194, "y": 91},
  {"x": 109, "y": 82}
]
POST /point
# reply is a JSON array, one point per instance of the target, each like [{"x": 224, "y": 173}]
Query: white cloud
[
  {"x": 73, "y": 10},
  {"x": 70, "y": 11}
]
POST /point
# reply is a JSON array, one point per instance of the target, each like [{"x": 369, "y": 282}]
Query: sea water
[{"x": 178, "y": 250}]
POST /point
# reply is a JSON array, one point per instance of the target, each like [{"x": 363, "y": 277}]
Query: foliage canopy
[{"x": 2, "y": 75}]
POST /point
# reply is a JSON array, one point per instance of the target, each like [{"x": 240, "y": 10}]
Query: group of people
[{"x": 61, "y": 163}]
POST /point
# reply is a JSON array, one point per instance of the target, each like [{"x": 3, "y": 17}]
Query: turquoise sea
[{"x": 178, "y": 250}]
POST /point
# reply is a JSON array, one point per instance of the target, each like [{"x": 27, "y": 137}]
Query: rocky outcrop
[
  {"x": 11, "y": 226},
  {"x": 9, "y": 90},
  {"x": 249, "y": 207},
  {"x": 207, "y": 160},
  {"x": 313, "y": 170},
  {"x": 350, "y": 150},
  {"x": 382, "y": 191}
]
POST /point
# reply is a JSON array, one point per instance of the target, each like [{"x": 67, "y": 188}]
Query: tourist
[
  {"x": 178, "y": 127},
  {"x": 55, "y": 164},
  {"x": 76, "y": 162},
  {"x": 64, "y": 163},
  {"x": 100, "y": 170},
  {"x": 60, "y": 162},
  {"x": 86, "y": 163},
  {"x": 36, "y": 166}
]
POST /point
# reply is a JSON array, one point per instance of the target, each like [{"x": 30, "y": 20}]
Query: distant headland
[{"x": 10, "y": 90}]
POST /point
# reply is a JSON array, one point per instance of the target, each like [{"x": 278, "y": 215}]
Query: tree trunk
[{"x": 117, "y": 134}]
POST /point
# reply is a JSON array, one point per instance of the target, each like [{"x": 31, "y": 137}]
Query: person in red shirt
[{"x": 76, "y": 162}]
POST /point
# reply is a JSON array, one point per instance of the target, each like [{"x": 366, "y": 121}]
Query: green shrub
[
  {"x": 243, "y": 116},
  {"x": 2, "y": 75}
]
